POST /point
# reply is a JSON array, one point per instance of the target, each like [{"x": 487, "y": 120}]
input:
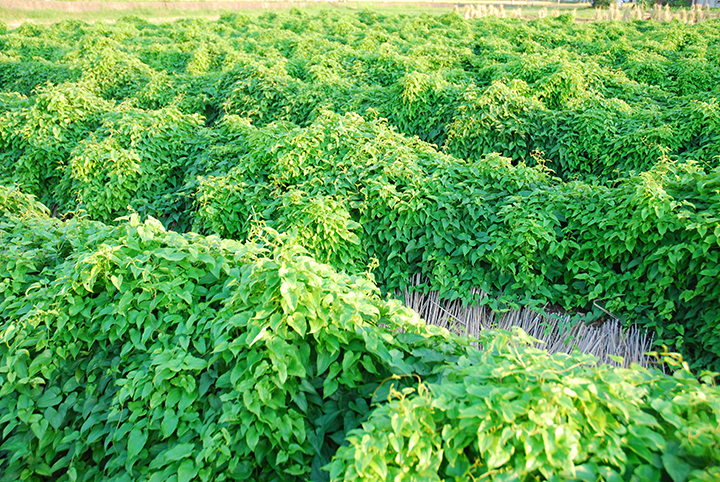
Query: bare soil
[
  {"x": 99, "y": 6},
  {"x": 96, "y": 6}
]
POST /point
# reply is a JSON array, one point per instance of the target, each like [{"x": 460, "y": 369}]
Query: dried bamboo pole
[{"x": 610, "y": 339}]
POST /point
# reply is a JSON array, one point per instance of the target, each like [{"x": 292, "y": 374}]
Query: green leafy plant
[
  {"x": 513, "y": 230},
  {"x": 516, "y": 413},
  {"x": 135, "y": 352},
  {"x": 136, "y": 159},
  {"x": 541, "y": 186}
]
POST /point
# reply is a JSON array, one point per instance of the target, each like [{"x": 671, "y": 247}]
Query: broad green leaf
[
  {"x": 136, "y": 442},
  {"x": 187, "y": 471}
]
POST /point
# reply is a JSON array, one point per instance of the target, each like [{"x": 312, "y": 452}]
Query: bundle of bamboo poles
[
  {"x": 693, "y": 15},
  {"x": 554, "y": 330},
  {"x": 480, "y": 11}
]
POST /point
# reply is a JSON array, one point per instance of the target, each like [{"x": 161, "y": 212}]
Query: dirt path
[
  {"x": 98, "y": 6},
  {"x": 164, "y": 11}
]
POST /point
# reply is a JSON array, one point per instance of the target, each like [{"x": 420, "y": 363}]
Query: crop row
[
  {"x": 129, "y": 352},
  {"x": 645, "y": 249},
  {"x": 596, "y": 100},
  {"x": 319, "y": 125}
]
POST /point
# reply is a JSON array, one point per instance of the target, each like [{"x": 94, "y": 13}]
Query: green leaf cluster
[
  {"x": 135, "y": 353},
  {"x": 596, "y": 99},
  {"x": 130, "y": 352},
  {"x": 430, "y": 143},
  {"x": 646, "y": 249},
  {"x": 514, "y": 413}
]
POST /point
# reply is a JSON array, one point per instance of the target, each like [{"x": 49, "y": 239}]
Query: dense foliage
[
  {"x": 596, "y": 99},
  {"x": 136, "y": 353},
  {"x": 129, "y": 352},
  {"x": 513, "y": 413},
  {"x": 646, "y": 248},
  {"x": 376, "y": 138}
]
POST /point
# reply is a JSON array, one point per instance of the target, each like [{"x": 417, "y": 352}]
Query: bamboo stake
[{"x": 610, "y": 338}]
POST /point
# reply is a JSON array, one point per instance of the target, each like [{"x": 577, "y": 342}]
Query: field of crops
[{"x": 202, "y": 224}]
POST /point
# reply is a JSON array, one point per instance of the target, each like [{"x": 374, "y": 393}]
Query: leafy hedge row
[
  {"x": 513, "y": 413},
  {"x": 75, "y": 150},
  {"x": 646, "y": 249},
  {"x": 221, "y": 125},
  {"x": 354, "y": 190},
  {"x": 136, "y": 353},
  {"x": 596, "y": 99},
  {"x": 590, "y": 137}
]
